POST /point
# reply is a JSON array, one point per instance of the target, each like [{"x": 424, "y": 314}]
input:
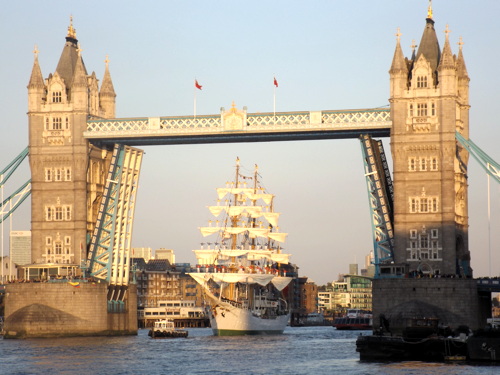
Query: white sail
[
  {"x": 207, "y": 231},
  {"x": 280, "y": 237},
  {"x": 281, "y": 282},
  {"x": 272, "y": 218}
]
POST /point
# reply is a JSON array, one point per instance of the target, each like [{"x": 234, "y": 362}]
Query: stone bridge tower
[
  {"x": 429, "y": 98},
  {"x": 67, "y": 171}
]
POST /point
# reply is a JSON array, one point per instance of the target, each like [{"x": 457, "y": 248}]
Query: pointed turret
[
  {"x": 399, "y": 69},
  {"x": 36, "y": 85},
  {"x": 447, "y": 60},
  {"x": 36, "y": 79},
  {"x": 463, "y": 83},
  {"x": 461, "y": 68},
  {"x": 107, "y": 93},
  {"x": 80, "y": 75},
  {"x": 447, "y": 68},
  {"x": 398, "y": 61},
  {"x": 107, "y": 87},
  {"x": 79, "y": 90}
]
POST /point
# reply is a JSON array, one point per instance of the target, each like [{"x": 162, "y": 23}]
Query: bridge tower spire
[
  {"x": 107, "y": 94},
  {"x": 67, "y": 171},
  {"x": 429, "y": 102}
]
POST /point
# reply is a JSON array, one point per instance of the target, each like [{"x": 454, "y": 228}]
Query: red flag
[
  {"x": 275, "y": 82},
  {"x": 197, "y": 85}
]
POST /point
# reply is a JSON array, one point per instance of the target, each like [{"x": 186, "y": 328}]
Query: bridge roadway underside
[{"x": 236, "y": 137}]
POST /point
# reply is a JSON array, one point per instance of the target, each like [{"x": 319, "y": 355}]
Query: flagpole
[
  {"x": 274, "y": 102},
  {"x": 274, "y": 97},
  {"x": 194, "y": 88}
]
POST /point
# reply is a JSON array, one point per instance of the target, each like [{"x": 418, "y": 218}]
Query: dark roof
[
  {"x": 139, "y": 263},
  {"x": 429, "y": 45},
  {"x": 158, "y": 265},
  {"x": 67, "y": 61}
]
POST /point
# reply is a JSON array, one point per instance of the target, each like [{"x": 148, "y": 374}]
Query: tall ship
[{"x": 243, "y": 271}]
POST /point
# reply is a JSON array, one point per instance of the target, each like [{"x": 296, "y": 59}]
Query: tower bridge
[{"x": 85, "y": 169}]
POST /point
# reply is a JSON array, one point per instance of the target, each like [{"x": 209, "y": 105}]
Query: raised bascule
[{"x": 85, "y": 169}]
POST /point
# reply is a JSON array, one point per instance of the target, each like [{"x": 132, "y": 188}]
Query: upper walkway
[
  {"x": 239, "y": 126},
  {"x": 488, "y": 284}
]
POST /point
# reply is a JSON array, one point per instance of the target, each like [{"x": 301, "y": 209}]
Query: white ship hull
[{"x": 238, "y": 321}]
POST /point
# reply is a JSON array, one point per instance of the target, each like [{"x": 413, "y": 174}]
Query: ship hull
[{"x": 236, "y": 321}]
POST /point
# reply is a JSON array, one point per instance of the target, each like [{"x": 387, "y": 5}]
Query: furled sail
[
  {"x": 249, "y": 193},
  {"x": 208, "y": 256},
  {"x": 248, "y": 278},
  {"x": 252, "y": 211},
  {"x": 252, "y": 232}
]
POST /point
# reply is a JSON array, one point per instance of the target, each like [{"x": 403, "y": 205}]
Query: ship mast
[
  {"x": 255, "y": 189},
  {"x": 235, "y": 218}
]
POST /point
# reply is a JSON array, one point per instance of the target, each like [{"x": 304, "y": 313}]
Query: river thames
[{"x": 303, "y": 350}]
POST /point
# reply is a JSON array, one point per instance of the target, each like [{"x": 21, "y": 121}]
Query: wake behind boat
[{"x": 243, "y": 275}]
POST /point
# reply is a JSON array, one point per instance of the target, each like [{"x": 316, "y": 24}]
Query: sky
[{"x": 326, "y": 55}]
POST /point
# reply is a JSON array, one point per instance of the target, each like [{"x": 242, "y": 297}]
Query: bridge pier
[
  {"x": 454, "y": 301},
  {"x": 65, "y": 310}
]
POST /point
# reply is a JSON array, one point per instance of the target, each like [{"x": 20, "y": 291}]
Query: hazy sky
[{"x": 325, "y": 55}]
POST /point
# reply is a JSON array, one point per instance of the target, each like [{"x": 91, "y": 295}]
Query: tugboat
[{"x": 166, "y": 329}]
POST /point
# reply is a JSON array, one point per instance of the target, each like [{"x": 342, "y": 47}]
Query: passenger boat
[
  {"x": 165, "y": 328},
  {"x": 242, "y": 275},
  {"x": 346, "y": 323},
  {"x": 355, "y": 320}
]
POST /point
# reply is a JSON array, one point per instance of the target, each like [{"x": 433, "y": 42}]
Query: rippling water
[{"x": 305, "y": 350}]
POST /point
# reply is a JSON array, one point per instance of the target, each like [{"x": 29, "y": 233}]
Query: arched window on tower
[
  {"x": 56, "y": 97},
  {"x": 434, "y": 163},
  {"x": 412, "y": 164},
  {"x": 422, "y": 109},
  {"x": 58, "y": 247},
  {"x": 58, "y": 213},
  {"x": 421, "y": 82},
  {"x": 423, "y": 164},
  {"x": 56, "y": 123}
]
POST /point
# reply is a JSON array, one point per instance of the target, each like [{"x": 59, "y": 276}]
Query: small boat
[
  {"x": 165, "y": 328},
  {"x": 346, "y": 323},
  {"x": 355, "y": 320},
  {"x": 243, "y": 276}
]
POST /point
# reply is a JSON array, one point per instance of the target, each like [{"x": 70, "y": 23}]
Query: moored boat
[
  {"x": 423, "y": 339},
  {"x": 165, "y": 328},
  {"x": 243, "y": 274}
]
